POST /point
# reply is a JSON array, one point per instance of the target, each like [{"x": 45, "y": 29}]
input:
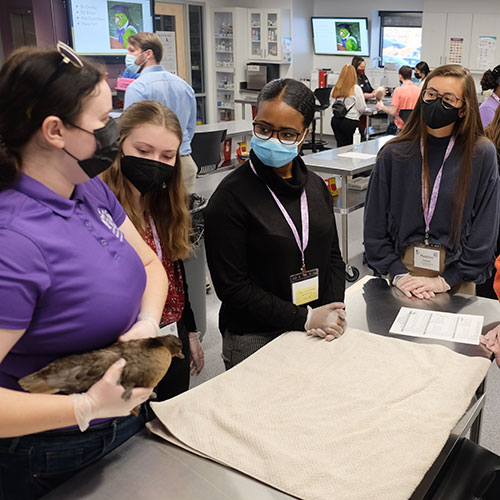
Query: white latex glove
[
  {"x": 380, "y": 105},
  {"x": 492, "y": 342},
  {"x": 104, "y": 398},
  {"x": 328, "y": 321},
  {"x": 145, "y": 327},
  {"x": 197, "y": 355},
  {"x": 420, "y": 286}
]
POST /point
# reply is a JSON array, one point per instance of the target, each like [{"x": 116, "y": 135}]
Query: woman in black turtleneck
[{"x": 252, "y": 252}]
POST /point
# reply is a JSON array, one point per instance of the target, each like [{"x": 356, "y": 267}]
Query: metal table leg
[
  {"x": 351, "y": 273},
  {"x": 475, "y": 430}
]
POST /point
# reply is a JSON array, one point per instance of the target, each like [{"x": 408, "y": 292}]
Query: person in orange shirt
[{"x": 403, "y": 99}]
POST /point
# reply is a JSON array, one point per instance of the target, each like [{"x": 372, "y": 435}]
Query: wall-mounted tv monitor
[
  {"x": 340, "y": 36},
  {"x": 102, "y": 27}
]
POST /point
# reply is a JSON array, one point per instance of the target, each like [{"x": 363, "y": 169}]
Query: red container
[
  {"x": 321, "y": 79},
  {"x": 227, "y": 149}
]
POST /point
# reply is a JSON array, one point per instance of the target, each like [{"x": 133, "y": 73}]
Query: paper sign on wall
[
  {"x": 169, "y": 59},
  {"x": 456, "y": 50},
  {"x": 486, "y": 51}
]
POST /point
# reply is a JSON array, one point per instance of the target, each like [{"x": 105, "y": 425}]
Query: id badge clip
[{"x": 305, "y": 286}]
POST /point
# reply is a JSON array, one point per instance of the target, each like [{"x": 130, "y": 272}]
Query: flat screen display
[
  {"x": 340, "y": 36},
  {"x": 102, "y": 27}
]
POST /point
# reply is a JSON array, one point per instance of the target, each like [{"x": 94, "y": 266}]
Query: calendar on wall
[
  {"x": 456, "y": 51},
  {"x": 486, "y": 51}
]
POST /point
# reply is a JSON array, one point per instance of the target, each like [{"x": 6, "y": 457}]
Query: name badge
[
  {"x": 170, "y": 329},
  {"x": 305, "y": 287},
  {"x": 427, "y": 257}
]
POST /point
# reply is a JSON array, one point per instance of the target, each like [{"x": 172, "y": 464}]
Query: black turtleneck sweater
[{"x": 252, "y": 253}]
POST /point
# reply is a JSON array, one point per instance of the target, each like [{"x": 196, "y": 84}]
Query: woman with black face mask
[
  {"x": 146, "y": 179},
  {"x": 75, "y": 275},
  {"x": 431, "y": 213}
]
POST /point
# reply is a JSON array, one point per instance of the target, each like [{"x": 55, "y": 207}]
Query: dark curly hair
[
  {"x": 293, "y": 93},
  {"x": 491, "y": 79}
]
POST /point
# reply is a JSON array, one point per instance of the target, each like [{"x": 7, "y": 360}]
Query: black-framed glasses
[
  {"x": 68, "y": 56},
  {"x": 285, "y": 136},
  {"x": 448, "y": 100}
]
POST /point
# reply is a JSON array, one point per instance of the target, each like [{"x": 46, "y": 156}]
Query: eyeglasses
[
  {"x": 447, "y": 100},
  {"x": 287, "y": 137},
  {"x": 68, "y": 56}
]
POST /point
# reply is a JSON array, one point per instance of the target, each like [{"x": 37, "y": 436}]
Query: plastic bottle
[{"x": 356, "y": 139}]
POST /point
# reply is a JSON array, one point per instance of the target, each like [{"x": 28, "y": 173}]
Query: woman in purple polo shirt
[
  {"x": 75, "y": 275},
  {"x": 490, "y": 81}
]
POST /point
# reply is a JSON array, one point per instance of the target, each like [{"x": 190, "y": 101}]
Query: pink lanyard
[
  {"x": 156, "y": 238},
  {"x": 431, "y": 206},
  {"x": 304, "y": 212}
]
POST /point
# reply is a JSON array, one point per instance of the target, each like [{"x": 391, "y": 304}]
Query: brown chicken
[{"x": 147, "y": 362}]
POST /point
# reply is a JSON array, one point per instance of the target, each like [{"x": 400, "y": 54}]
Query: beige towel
[{"x": 359, "y": 418}]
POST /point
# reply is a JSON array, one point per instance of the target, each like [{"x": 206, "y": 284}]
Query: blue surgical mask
[
  {"x": 272, "y": 152},
  {"x": 131, "y": 64}
]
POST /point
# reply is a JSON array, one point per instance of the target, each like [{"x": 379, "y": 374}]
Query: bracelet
[{"x": 145, "y": 316}]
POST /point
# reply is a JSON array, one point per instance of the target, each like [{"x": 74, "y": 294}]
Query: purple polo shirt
[
  {"x": 67, "y": 274},
  {"x": 487, "y": 110}
]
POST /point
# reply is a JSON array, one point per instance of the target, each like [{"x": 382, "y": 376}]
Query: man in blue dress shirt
[{"x": 155, "y": 82}]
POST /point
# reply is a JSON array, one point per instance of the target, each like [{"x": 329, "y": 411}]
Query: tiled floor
[{"x": 490, "y": 435}]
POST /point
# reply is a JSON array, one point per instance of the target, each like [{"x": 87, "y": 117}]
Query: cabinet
[
  {"x": 230, "y": 59},
  {"x": 266, "y": 29},
  {"x": 483, "y": 25},
  {"x": 437, "y": 31}
]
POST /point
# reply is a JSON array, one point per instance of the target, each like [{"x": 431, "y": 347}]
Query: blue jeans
[{"x": 32, "y": 465}]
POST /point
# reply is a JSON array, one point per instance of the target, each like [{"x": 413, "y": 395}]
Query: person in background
[
  {"x": 75, "y": 275},
  {"x": 368, "y": 91},
  {"x": 490, "y": 81},
  {"x": 145, "y": 52},
  {"x": 421, "y": 72},
  {"x": 348, "y": 92},
  {"x": 147, "y": 181},
  {"x": 360, "y": 65},
  {"x": 270, "y": 233},
  {"x": 486, "y": 289},
  {"x": 404, "y": 98},
  {"x": 433, "y": 196}
]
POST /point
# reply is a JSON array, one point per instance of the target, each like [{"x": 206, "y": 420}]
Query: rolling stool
[
  {"x": 323, "y": 97},
  {"x": 471, "y": 473}
]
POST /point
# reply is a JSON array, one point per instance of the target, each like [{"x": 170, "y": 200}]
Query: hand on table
[
  {"x": 328, "y": 321},
  {"x": 197, "y": 355},
  {"x": 420, "y": 286},
  {"x": 492, "y": 342}
]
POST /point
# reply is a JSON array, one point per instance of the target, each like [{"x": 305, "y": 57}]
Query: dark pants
[
  {"x": 344, "y": 129},
  {"x": 176, "y": 380},
  {"x": 236, "y": 348},
  {"x": 32, "y": 465}
]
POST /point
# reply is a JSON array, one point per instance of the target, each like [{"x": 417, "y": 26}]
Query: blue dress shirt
[{"x": 156, "y": 83}]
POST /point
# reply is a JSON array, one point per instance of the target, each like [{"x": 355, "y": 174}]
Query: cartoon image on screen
[
  {"x": 124, "y": 20},
  {"x": 348, "y": 37}
]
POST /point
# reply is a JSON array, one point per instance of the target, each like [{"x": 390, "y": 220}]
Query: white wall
[
  {"x": 463, "y": 6},
  {"x": 357, "y": 8}
]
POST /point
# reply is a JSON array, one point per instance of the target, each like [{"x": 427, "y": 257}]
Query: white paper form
[
  {"x": 357, "y": 156},
  {"x": 462, "y": 328}
]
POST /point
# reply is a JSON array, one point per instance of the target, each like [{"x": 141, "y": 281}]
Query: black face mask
[
  {"x": 146, "y": 174},
  {"x": 108, "y": 146},
  {"x": 418, "y": 76},
  {"x": 436, "y": 116}
]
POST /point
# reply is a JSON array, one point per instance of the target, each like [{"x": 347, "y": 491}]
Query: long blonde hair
[
  {"x": 345, "y": 84},
  {"x": 468, "y": 130},
  {"x": 168, "y": 207}
]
